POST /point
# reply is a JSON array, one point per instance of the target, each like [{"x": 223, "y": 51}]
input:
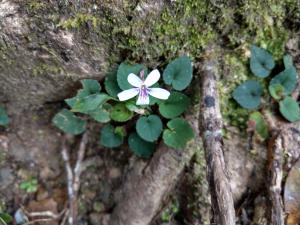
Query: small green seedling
[
  {"x": 30, "y": 186},
  {"x": 248, "y": 95}
]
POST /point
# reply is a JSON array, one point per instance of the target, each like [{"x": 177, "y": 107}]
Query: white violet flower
[{"x": 142, "y": 88}]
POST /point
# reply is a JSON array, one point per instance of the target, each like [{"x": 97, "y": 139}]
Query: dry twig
[
  {"x": 73, "y": 177},
  {"x": 211, "y": 124},
  {"x": 275, "y": 178}
]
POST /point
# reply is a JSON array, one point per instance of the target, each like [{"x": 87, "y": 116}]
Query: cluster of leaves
[
  {"x": 4, "y": 120},
  {"x": 142, "y": 125},
  {"x": 280, "y": 87}
]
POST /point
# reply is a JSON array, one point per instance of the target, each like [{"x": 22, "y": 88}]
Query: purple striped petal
[{"x": 143, "y": 98}]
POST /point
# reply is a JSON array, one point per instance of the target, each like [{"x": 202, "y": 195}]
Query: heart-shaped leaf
[
  {"x": 121, "y": 113},
  {"x": 139, "y": 146},
  {"x": 124, "y": 70},
  {"x": 179, "y": 73},
  {"x": 248, "y": 94},
  {"x": 80, "y": 94},
  {"x": 110, "y": 137},
  {"x": 290, "y": 109},
  {"x": 149, "y": 128},
  {"x": 101, "y": 114},
  {"x": 261, "y": 62},
  {"x": 90, "y": 103},
  {"x": 91, "y": 86},
  {"x": 111, "y": 84},
  {"x": 287, "y": 79},
  {"x": 261, "y": 127},
  {"x": 276, "y": 91},
  {"x": 178, "y": 134},
  {"x": 287, "y": 61},
  {"x": 175, "y": 105},
  {"x": 4, "y": 119},
  {"x": 68, "y": 122}
]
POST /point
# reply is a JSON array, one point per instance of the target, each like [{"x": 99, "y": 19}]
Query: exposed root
[
  {"x": 211, "y": 128},
  {"x": 73, "y": 177}
]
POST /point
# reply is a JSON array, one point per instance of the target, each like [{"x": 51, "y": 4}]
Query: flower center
[{"x": 143, "y": 91}]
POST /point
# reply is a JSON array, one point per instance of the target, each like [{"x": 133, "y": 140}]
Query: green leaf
[
  {"x": 261, "y": 62},
  {"x": 29, "y": 186},
  {"x": 68, "y": 122},
  {"x": 102, "y": 114},
  {"x": 131, "y": 105},
  {"x": 109, "y": 138},
  {"x": 290, "y": 109},
  {"x": 261, "y": 127},
  {"x": 80, "y": 94},
  {"x": 139, "y": 146},
  {"x": 276, "y": 91},
  {"x": 124, "y": 70},
  {"x": 248, "y": 94},
  {"x": 287, "y": 61},
  {"x": 175, "y": 105},
  {"x": 154, "y": 101},
  {"x": 120, "y": 130},
  {"x": 149, "y": 127},
  {"x": 121, "y": 113},
  {"x": 178, "y": 134},
  {"x": 287, "y": 79},
  {"x": 179, "y": 73},
  {"x": 6, "y": 218},
  {"x": 90, "y": 103},
  {"x": 4, "y": 120},
  {"x": 111, "y": 84},
  {"x": 91, "y": 86}
]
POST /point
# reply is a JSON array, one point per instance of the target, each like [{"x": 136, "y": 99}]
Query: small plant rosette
[{"x": 134, "y": 95}]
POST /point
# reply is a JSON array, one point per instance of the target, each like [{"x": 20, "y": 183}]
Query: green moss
[
  {"x": 35, "y": 5},
  {"x": 44, "y": 68},
  {"x": 169, "y": 212},
  {"x": 178, "y": 30},
  {"x": 236, "y": 72},
  {"x": 79, "y": 20}
]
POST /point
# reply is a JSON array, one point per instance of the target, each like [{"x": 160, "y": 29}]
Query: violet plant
[
  {"x": 280, "y": 87},
  {"x": 135, "y": 105}
]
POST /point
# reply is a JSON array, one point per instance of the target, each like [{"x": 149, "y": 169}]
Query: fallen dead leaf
[{"x": 43, "y": 206}]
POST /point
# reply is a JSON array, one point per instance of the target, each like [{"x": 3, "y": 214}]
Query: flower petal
[
  {"x": 159, "y": 93},
  {"x": 128, "y": 94},
  {"x": 152, "y": 78},
  {"x": 143, "y": 100},
  {"x": 134, "y": 80}
]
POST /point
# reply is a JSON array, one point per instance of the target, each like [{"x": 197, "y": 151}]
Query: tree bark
[
  {"x": 275, "y": 178},
  {"x": 142, "y": 194},
  {"x": 211, "y": 124}
]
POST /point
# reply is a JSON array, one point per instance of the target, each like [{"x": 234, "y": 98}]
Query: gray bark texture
[
  {"x": 276, "y": 147},
  {"x": 39, "y": 62},
  {"x": 211, "y": 128},
  {"x": 142, "y": 195},
  {"x": 47, "y": 46}
]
